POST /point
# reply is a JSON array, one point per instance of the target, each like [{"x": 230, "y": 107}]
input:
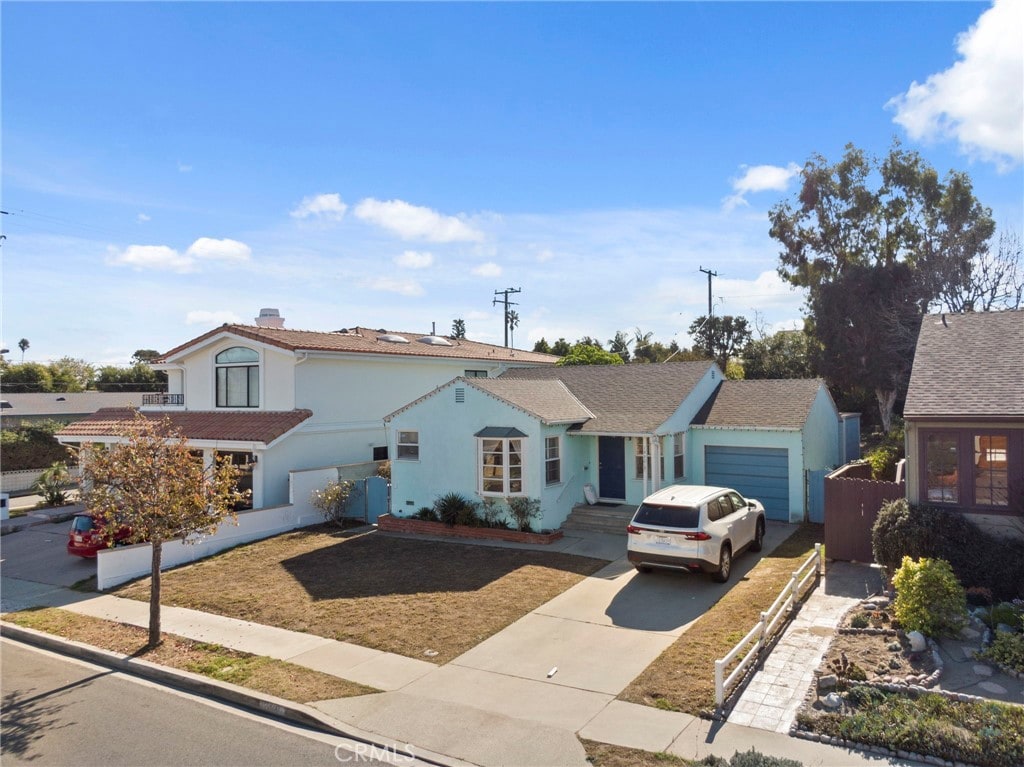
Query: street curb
[{"x": 296, "y": 713}]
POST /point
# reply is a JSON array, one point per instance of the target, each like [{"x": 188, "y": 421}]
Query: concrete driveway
[
  {"x": 556, "y": 667},
  {"x": 35, "y": 560}
]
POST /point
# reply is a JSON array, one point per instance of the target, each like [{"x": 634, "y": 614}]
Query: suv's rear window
[
  {"x": 82, "y": 524},
  {"x": 667, "y": 516}
]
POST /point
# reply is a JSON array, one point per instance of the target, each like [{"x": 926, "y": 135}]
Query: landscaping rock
[
  {"x": 968, "y": 633},
  {"x": 832, "y": 700},
  {"x": 827, "y": 682},
  {"x": 982, "y": 670},
  {"x": 1002, "y": 628},
  {"x": 992, "y": 687},
  {"x": 918, "y": 642}
]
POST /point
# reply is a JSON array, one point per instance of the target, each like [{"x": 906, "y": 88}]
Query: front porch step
[{"x": 599, "y": 519}]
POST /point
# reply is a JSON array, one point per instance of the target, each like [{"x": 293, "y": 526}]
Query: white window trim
[
  {"x": 558, "y": 441},
  {"x": 679, "y": 451},
  {"x": 505, "y": 492},
  {"x": 399, "y": 444},
  {"x": 259, "y": 377},
  {"x": 642, "y": 448}
]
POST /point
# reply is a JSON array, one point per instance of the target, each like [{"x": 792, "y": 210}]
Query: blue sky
[{"x": 169, "y": 167}]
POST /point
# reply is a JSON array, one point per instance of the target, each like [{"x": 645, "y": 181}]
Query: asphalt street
[{"x": 58, "y": 711}]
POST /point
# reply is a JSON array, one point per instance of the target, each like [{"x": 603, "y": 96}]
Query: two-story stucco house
[{"x": 278, "y": 399}]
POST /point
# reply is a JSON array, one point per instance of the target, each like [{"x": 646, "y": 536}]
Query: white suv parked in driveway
[{"x": 694, "y": 527}]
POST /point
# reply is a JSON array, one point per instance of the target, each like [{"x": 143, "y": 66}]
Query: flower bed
[{"x": 391, "y": 524}]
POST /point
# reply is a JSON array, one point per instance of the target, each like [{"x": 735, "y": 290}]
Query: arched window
[{"x": 238, "y": 377}]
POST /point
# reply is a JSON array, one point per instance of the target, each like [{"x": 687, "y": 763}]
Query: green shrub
[
  {"x": 523, "y": 511},
  {"x": 929, "y": 598},
  {"x": 1006, "y": 613},
  {"x": 427, "y": 514},
  {"x": 883, "y": 461},
  {"x": 1006, "y": 650},
  {"x": 384, "y": 470},
  {"x": 987, "y": 562},
  {"x": 32, "y": 446},
  {"x": 860, "y": 621},
  {"x": 455, "y": 509},
  {"x": 492, "y": 514}
]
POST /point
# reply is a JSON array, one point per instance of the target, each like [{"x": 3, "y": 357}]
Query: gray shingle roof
[
  {"x": 549, "y": 399},
  {"x": 625, "y": 399},
  {"x": 57, "y": 404},
  {"x": 771, "y": 404},
  {"x": 969, "y": 365}
]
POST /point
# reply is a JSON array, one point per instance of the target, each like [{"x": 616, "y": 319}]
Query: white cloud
[
  {"x": 327, "y": 207},
  {"x": 391, "y": 285},
  {"x": 204, "y": 317},
  {"x": 490, "y": 269},
  {"x": 415, "y": 259},
  {"x": 142, "y": 218},
  {"x": 979, "y": 101},
  {"x": 158, "y": 257},
  {"x": 544, "y": 256},
  {"x": 413, "y": 222},
  {"x": 209, "y": 249},
  {"x": 165, "y": 258},
  {"x": 759, "y": 178},
  {"x": 183, "y": 168}
]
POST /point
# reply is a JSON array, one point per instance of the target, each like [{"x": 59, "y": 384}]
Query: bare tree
[{"x": 991, "y": 281}]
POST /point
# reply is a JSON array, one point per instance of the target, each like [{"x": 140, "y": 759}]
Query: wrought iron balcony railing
[{"x": 163, "y": 399}]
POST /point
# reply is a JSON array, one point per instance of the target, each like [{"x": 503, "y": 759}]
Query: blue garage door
[{"x": 756, "y": 472}]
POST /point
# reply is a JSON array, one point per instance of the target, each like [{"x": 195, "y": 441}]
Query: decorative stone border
[{"x": 389, "y": 524}]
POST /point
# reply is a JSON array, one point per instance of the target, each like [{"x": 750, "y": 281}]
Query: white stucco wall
[{"x": 277, "y": 387}]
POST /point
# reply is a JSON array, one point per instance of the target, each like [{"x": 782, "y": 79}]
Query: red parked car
[{"x": 86, "y": 537}]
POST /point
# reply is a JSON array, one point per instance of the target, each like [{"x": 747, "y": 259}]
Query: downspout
[{"x": 656, "y": 462}]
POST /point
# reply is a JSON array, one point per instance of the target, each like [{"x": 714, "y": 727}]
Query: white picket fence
[{"x": 768, "y": 626}]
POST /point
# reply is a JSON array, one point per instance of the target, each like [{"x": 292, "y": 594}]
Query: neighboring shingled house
[
  {"x": 63, "y": 407},
  {"x": 964, "y": 417},
  {"x": 615, "y": 432},
  {"x": 278, "y": 400}
]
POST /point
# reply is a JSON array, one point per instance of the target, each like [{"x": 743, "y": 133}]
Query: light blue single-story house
[{"x": 614, "y": 434}]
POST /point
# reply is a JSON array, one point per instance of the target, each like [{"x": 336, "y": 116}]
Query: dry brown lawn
[
  {"x": 266, "y": 675},
  {"x": 683, "y": 677},
  {"x": 607, "y": 755},
  {"x": 410, "y": 597}
]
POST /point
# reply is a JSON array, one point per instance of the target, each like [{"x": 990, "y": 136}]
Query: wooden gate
[{"x": 851, "y": 507}]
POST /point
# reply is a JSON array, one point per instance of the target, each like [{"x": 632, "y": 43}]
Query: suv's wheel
[
  {"x": 758, "y": 543},
  {"x": 724, "y": 564}
]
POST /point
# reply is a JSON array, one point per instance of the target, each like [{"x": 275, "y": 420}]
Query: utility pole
[
  {"x": 711, "y": 308},
  {"x": 504, "y": 300}
]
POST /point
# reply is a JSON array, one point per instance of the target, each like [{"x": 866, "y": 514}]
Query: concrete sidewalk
[{"x": 521, "y": 697}]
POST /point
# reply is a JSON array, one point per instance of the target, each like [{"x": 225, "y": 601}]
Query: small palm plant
[{"x": 53, "y": 485}]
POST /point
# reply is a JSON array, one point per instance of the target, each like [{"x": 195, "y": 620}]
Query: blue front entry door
[{"x": 611, "y": 470}]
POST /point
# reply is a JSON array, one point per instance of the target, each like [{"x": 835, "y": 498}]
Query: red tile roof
[
  {"x": 262, "y": 427},
  {"x": 368, "y": 341}
]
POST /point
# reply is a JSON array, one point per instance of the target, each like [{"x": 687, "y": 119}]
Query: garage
[{"x": 756, "y": 472}]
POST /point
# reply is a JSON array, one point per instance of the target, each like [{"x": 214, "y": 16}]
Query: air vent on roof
[
  {"x": 393, "y": 339},
  {"x": 460, "y": 394},
  {"x": 434, "y": 341}
]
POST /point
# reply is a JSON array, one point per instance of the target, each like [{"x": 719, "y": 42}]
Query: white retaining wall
[
  {"x": 22, "y": 481},
  {"x": 118, "y": 565}
]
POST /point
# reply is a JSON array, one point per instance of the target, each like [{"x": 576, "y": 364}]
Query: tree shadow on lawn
[{"x": 374, "y": 565}]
